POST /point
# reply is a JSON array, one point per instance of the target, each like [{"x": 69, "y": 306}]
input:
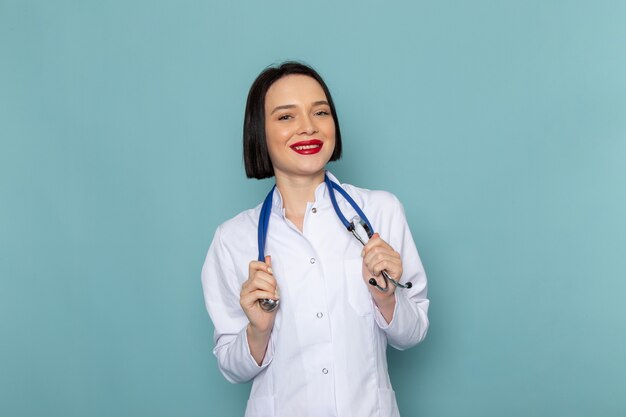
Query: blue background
[{"x": 501, "y": 126}]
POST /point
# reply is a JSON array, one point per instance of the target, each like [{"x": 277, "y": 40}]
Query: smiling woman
[
  {"x": 258, "y": 110},
  {"x": 300, "y": 131},
  {"x": 317, "y": 345}
]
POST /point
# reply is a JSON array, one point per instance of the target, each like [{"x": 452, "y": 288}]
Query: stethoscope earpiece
[{"x": 388, "y": 279}]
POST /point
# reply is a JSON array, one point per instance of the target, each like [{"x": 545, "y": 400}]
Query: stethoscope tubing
[{"x": 264, "y": 219}]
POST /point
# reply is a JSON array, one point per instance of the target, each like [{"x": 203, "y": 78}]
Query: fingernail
[
  {"x": 276, "y": 294},
  {"x": 269, "y": 269},
  {"x": 363, "y": 253}
]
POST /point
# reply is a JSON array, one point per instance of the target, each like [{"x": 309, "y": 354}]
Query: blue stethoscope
[{"x": 360, "y": 227}]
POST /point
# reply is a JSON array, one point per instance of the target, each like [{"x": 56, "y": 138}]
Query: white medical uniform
[{"x": 326, "y": 354}]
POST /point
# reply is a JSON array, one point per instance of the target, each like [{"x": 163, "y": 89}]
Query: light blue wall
[{"x": 501, "y": 126}]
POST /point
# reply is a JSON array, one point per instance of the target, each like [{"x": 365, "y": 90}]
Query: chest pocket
[{"x": 358, "y": 295}]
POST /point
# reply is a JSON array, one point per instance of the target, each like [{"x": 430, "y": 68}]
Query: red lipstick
[{"x": 307, "y": 147}]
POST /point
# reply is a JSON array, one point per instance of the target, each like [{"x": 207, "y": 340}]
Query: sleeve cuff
[
  {"x": 236, "y": 362},
  {"x": 378, "y": 316},
  {"x": 269, "y": 352}
]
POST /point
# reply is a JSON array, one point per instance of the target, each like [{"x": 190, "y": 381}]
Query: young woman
[{"x": 322, "y": 350}]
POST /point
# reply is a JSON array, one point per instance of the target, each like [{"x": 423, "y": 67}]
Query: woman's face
[{"x": 299, "y": 127}]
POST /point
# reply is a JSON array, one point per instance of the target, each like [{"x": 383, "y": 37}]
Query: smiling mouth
[
  {"x": 301, "y": 148},
  {"x": 307, "y": 147}
]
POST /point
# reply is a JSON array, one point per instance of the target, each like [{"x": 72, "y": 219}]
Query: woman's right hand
[{"x": 260, "y": 284}]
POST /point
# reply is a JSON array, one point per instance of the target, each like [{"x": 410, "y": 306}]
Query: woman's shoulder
[
  {"x": 240, "y": 227},
  {"x": 384, "y": 211},
  {"x": 367, "y": 197}
]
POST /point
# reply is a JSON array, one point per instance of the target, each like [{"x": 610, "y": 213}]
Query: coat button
[
  {"x": 320, "y": 315},
  {"x": 324, "y": 371},
  {"x": 312, "y": 260},
  {"x": 314, "y": 210}
]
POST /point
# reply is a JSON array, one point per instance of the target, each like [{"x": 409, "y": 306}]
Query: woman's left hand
[{"x": 378, "y": 256}]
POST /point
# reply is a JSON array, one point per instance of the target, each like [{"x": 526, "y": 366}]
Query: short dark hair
[{"x": 255, "y": 155}]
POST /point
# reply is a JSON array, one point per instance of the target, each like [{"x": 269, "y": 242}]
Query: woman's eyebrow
[
  {"x": 283, "y": 107},
  {"x": 291, "y": 106}
]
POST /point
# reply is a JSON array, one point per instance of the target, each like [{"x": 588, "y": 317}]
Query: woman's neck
[{"x": 297, "y": 192}]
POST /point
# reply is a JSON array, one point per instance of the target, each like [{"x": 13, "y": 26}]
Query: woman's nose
[{"x": 308, "y": 126}]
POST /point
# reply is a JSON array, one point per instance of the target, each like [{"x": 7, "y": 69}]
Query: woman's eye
[
  {"x": 285, "y": 117},
  {"x": 322, "y": 113}
]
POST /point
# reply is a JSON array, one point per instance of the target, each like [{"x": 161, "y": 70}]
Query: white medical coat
[{"x": 327, "y": 351}]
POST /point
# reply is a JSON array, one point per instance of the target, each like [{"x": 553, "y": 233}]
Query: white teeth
[{"x": 301, "y": 148}]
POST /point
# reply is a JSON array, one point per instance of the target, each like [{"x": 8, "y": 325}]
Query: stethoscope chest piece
[{"x": 269, "y": 305}]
